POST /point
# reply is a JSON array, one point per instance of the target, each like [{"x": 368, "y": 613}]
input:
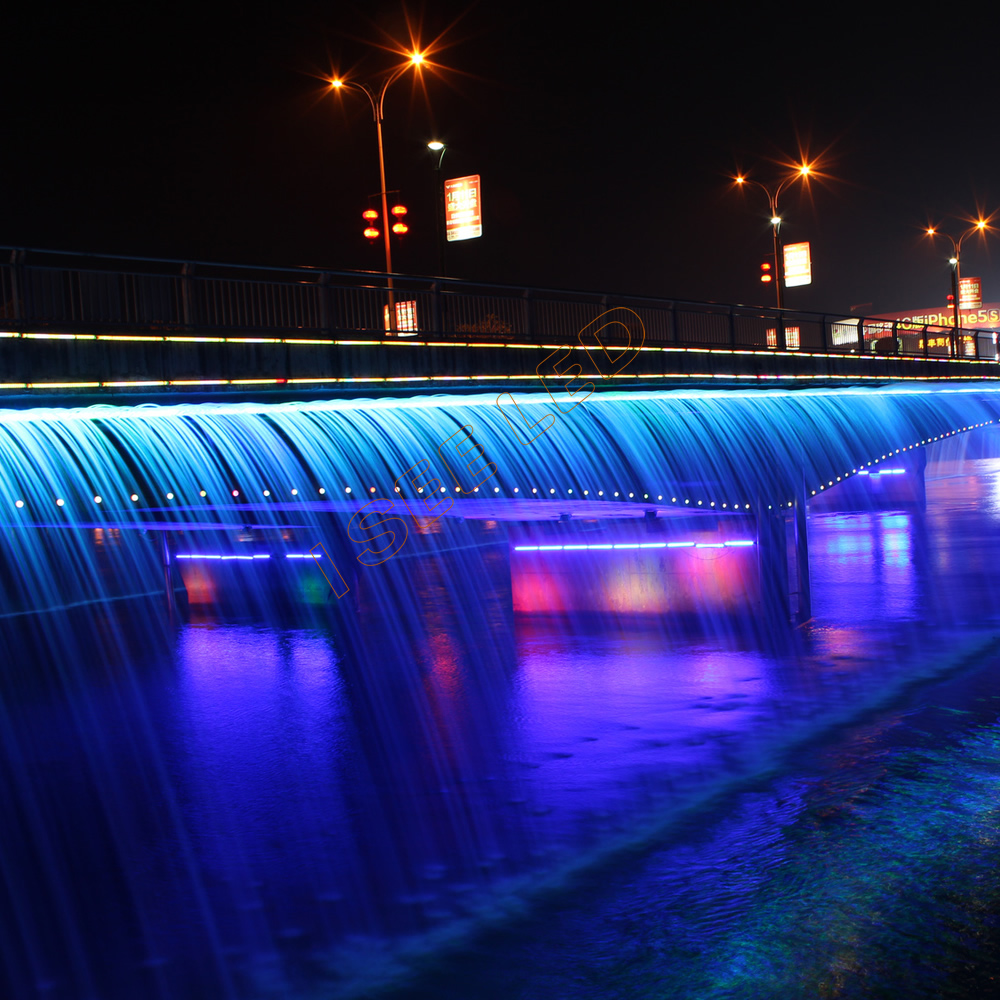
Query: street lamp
[
  {"x": 803, "y": 171},
  {"x": 436, "y": 146},
  {"x": 377, "y": 101},
  {"x": 956, "y": 260}
]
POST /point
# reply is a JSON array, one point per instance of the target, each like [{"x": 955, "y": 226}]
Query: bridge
[
  {"x": 267, "y": 442},
  {"x": 118, "y": 329}
]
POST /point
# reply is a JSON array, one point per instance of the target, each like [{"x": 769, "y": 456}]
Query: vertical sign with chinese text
[
  {"x": 463, "y": 217},
  {"x": 798, "y": 266},
  {"x": 970, "y": 293}
]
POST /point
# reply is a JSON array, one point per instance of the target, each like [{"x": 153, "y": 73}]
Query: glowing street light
[
  {"x": 802, "y": 172},
  {"x": 436, "y": 146},
  {"x": 981, "y": 226},
  {"x": 377, "y": 101}
]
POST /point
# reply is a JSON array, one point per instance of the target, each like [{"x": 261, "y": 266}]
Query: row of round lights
[
  {"x": 134, "y": 497},
  {"x": 890, "y": 454}
]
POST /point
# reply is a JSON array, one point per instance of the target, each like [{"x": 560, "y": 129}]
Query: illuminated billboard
[
  {"x": 798, "y": 266},
  {"x": 970, "y": 293},
  {"x": 986, "y": 316},
  {"x": 463, "y": 218}
]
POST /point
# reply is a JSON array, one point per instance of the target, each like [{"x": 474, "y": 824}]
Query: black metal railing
[{"x": 54, "y": 291}]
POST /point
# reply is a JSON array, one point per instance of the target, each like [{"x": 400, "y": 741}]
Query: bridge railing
[{"x": 49, "y": 291}]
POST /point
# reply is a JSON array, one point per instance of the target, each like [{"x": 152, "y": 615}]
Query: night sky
[{"x": 606, "y": 144}]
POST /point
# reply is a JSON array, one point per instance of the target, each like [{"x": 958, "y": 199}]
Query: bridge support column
[
  {"x": 802, "y": 555},
  {"x": 918, "y": 473},
  {"x": 772, "y": 562}
]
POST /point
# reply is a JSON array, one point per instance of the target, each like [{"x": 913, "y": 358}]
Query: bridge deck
[{"x": 123, "y": 329}]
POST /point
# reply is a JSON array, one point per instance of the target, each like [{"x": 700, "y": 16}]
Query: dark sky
[{"x": 605, "y": 142}]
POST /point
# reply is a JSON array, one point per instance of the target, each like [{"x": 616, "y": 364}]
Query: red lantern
[
  {"x": 372, "y": 233},
  {"x": 398, "y": 210}
]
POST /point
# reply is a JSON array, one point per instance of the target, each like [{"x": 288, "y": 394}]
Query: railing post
[
  {"x": 673, "y": 322},
  {"x": 824, "y": 340},
  {"x": 529, "y": 313},
  {"x": 732, "y": 330},
  {"x": 17, "y": 285},
  {"x": 436, "y": 318},
  {"x": 325, "y": 313},
  {"x": 187, "y": 295},
  {"x": 927, "y": 344},
  {"x": 781, "y": 343},
  {"x": 861, "y": 336}
]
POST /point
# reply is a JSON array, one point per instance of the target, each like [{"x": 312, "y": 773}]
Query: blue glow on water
[{"x": 308, "y": 793}]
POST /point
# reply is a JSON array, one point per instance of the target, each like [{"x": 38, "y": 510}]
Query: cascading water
[{"x": 311, "y": 792}]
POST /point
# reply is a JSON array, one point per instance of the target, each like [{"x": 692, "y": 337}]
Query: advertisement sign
[
  {"x": 970, "y": 293},
  {"x": 792, "y": 337},
  {"x": 463, "y": 218},
  {"x": 986, "y": 316},
  {"x": 798, "y": 266},
  {"x": 406, "y": 317}
]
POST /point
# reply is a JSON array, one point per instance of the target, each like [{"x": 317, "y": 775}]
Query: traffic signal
[{"x": 766, "y": 272}]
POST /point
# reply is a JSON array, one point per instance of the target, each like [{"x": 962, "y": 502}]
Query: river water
[{"x": 552, "y": 810}]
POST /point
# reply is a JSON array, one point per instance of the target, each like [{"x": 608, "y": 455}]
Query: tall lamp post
[
  {"x": 377, "y": 101},
  {"x": 772, "y": 200},
  {"x": 956, "y": 261},
  {"x": 436, "y": 146}
]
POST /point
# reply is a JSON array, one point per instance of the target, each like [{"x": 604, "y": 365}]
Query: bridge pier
[
  {"x": 804, "y": 612},
  {"x": 772, "y": 564}
]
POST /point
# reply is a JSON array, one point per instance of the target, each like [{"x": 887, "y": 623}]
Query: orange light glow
[
  {"x": 336, "y": 83},
  {"x": 400, "y": 227},
  {"x": 372, "y": 233},
  {"x": 398, "y": 210},
  {"x": 369, "y": 213},
  {"x": 416, "y": 58},
  {"x": 740, "y": 180}
]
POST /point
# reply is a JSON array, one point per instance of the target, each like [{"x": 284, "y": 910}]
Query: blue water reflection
[{"x": 271, "y": 808}]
